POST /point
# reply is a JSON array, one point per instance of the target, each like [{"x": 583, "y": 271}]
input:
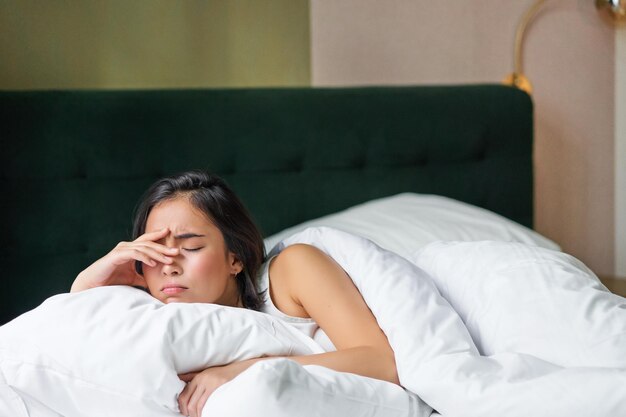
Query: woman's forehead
[{"x": 179, "y": 215}]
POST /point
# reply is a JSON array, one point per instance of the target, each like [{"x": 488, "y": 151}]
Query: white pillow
[
  {"x": 117, "y": 350},
  {"x": 406, "y": 222},
  {"x": 519, "y": 298},
  {"x": 284, "y": 388}
]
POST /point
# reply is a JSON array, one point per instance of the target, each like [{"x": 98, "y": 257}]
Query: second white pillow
[
  {"x": 525, "y": 299},
  {"x": 406, "y": 222}
]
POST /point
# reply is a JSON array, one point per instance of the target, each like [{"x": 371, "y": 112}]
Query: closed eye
[{"x": 193, "y": 249}]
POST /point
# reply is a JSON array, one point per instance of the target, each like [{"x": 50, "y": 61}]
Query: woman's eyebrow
[{"x": 187, "y": 236}]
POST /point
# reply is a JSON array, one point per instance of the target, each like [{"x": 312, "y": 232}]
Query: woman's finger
[
  {"x": 183, "y": 400},
  {"x": 152, "y": 235},
  {"x": 153, "y": 254},
  {"x": 156, "y": 246},
  {"x": 146, "y": 255},
  {"x": 202, "y": 402},
  {"x": 156, "y": 250},
  {"x": 192, "y": 406},
  {"x": 134, "y": 254}
]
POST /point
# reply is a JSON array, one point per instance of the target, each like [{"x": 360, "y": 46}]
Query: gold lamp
[
  {"x": 517, "y": 78},
  {"x": 612, "y": 10}
]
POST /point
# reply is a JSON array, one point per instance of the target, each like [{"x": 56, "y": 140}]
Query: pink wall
[{"x": 569, "y": 57}]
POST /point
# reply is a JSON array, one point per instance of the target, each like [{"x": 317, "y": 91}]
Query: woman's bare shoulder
[
  {"x": 290, "y": 264},
  {"x": 299, "y": 252},
  {"x": 284, "y": 272}
]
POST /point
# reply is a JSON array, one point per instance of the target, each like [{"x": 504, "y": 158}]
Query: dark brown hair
[{"x": 212, "y": 196}]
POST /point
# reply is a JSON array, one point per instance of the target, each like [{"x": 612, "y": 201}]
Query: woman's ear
[{"x": 236, "y": 266}]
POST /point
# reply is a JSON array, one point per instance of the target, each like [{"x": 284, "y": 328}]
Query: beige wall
[
  {"x": 153, "y": 43},
  {"x": 620, "y": 152},
  {"x": 569, "y": 57}
]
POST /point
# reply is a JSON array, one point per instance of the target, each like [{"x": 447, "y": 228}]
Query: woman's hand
[
  {"x": 118, "y": 266},
  {"x": 200, "y": 385}
]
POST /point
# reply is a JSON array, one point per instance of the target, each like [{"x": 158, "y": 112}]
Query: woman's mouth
[{"x": 173, "y": 289}]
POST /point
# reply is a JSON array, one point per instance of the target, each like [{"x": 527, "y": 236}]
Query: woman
[{"x": 195, "y": 242}]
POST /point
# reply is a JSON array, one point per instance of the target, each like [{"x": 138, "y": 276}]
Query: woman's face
[{"x": 204, "y": 270}]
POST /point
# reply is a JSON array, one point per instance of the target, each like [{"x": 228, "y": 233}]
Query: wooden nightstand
[{"x": 615, "y": 285}]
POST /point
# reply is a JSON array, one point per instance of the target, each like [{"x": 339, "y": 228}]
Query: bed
[
  {"x": 75, "y": 162},
  {"x": 401, "y": 166}
]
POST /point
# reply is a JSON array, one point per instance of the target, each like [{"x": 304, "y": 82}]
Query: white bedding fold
[
  {"x": 284, "y": 388},
  {"x": 11, "y": 404}
]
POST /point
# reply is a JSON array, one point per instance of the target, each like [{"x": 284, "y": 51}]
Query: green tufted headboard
[{"x": 74, "y": 163}]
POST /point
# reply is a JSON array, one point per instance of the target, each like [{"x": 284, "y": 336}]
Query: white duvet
[
  {"x": 521, "y": 331},
  {"x": 556, "y": 338}
]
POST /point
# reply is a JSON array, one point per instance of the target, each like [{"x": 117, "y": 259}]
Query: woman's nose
[{"x": 172, "y": 269}]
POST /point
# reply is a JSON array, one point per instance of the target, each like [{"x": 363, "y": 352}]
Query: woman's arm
[
  {"x": 305, "y": 282},
  {"x": 118, "y": 266}
]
